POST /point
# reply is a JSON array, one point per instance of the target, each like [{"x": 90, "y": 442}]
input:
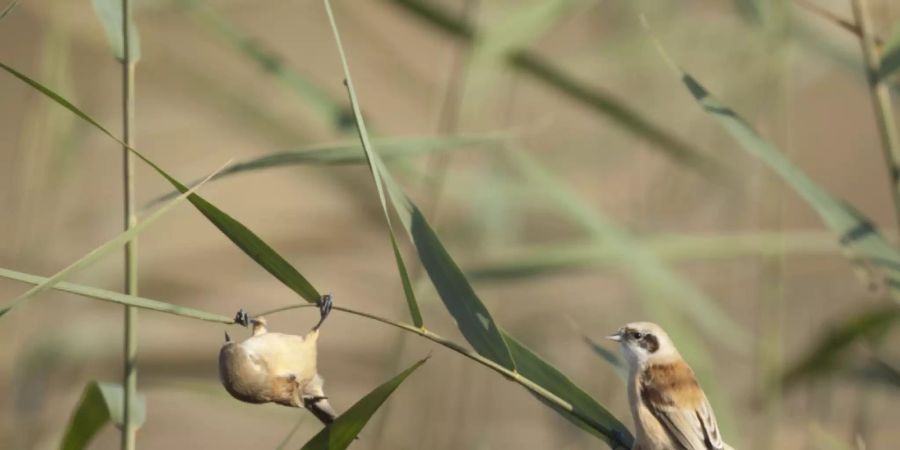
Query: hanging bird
[
  {"x": 669, "y": 408},
  {"x": 276, "y": 367}
]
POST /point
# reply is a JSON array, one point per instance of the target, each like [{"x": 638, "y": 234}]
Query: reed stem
[
  {"x": 129, "y": 428},
  {"x": 881, "y": 99}
]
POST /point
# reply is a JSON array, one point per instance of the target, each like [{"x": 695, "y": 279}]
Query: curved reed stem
[{"x": 510, "y": 375}]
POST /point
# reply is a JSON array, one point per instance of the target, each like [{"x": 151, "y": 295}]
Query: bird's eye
[{"x": 637, "y": 335}]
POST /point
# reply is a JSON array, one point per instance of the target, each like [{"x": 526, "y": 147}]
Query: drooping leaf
[
  {"x": 830, "y": 350},
  {"x": 472, "y": 318},
  {"x": 478, "y": 327},
  {"x": 345, "y": 153},
  {"x": 119, "y": 298},
  {"x": 374, "y": 163},
  {"x": 110, "y": 14},
  {"x": 339, "y": 434},
  {"x": 858, "y": 234},
  {"x": 240, "y": 235},
  {"x": 585, "y": 412},
  {"x": 100, "y": 404},
  {"x": 103, "y": 249}
]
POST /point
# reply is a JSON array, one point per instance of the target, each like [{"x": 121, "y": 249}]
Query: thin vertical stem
[
  {"x": 129, "y": 428},
  {"x": 881, "y": 99}
]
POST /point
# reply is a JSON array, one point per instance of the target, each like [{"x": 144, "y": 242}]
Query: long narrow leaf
[
  {"x": 110, "y": 14},
  {"x": 374, "y": 164},
  {"x": 473, "y": 319},
  {"x": 831, "y": 348},
  {"x": 586, "y": 413},
  {"x": 100, "y": 404},
  {"x": 346, "y": 153},
  {"x": 857, "y": 233},
  {"x": 340, "y": 434},
  {"x": 104, "y": 248},
  {"x": 119, "y": 298},
  {"x": 245, "y": 239}
]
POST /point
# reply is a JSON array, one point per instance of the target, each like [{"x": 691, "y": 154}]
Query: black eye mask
[{"x": 649, "y": 342}]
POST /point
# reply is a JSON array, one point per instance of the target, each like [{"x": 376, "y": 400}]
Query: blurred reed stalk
[
  {"x": 881, "y": 98},
  {"x": 129, "y": 430},
  {"x": 890, "y": 141}
]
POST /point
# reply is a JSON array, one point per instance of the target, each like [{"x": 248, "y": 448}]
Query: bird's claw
[
  {"x": 242, "y": 318},
  {"x": 325, "y": 305}
]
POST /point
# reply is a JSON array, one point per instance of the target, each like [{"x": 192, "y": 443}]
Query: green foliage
[
  {"x": 374, "y": 163},
  {"x": 472, "y": 316},
  {"x": 339, "y": 434},
  {"x": 100, "y": 404}
]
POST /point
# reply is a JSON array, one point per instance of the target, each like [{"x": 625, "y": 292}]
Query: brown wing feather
[{"x": 672, "y": 394}]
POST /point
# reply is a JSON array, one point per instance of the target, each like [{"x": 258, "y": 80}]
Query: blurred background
[{"x": 591, "y": 191}]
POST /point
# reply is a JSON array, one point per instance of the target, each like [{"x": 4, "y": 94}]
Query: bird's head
[{"x": 644, "y": 342}]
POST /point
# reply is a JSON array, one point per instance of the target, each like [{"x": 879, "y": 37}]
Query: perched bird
[
  {"x": 669, "y": 408},
  {"x": 276, "y": 367}
]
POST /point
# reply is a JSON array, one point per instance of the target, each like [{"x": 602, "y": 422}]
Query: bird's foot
[
  {"x": 242, "y": 318},
  {"x": 325, "y": 305}
]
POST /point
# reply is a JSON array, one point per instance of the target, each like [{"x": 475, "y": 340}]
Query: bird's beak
[{"x": 615, "y": 337}]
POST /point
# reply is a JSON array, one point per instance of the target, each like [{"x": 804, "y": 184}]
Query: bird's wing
[{"x": 679, "y": 404}]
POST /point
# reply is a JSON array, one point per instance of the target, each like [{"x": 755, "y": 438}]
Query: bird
[
  {"x": 669, "y": 408},
  {"x": 277, "y": 368}
]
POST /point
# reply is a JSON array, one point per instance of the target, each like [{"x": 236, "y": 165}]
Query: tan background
[{"x": 200, "y": 103}]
